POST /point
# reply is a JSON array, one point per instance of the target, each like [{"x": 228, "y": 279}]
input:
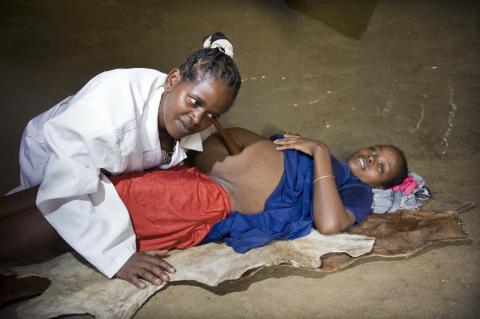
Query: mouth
[
  {"x": 184, "y": 127},
  {"x": 363, "y": 163}
]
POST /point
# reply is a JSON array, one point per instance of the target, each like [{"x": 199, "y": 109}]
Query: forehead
[
  {"x": 209, "y": 92},
  {"x": 387, "y": 151},
  {"x": 390, "y": 155}
]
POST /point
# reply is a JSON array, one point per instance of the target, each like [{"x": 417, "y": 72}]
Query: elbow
[
  {"x": 334, "y": 224},
  {"x": 328, "y": 228}
]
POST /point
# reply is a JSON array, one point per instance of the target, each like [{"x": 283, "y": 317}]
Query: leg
[
  {"x": 18, "y": 202},
  {"x": 26, "y": 233}
]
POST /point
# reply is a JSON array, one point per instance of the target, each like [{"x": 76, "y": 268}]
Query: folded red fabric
[{"x": 173, "y": 208}]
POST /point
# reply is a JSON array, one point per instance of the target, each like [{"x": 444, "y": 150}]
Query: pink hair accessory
[{"x": 407, "y": 186}]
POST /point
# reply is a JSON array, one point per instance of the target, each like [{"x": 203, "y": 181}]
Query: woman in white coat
[{"x": 121, "y": 121}]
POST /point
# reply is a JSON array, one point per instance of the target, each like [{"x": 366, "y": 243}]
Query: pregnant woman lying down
[{"x": 274, "y": 189}]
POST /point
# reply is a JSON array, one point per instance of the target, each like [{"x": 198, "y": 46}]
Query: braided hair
[{"x": 214, "y": 63}]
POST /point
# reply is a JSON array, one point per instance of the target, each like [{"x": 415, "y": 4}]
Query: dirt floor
[{"x": 348, "y": 74}]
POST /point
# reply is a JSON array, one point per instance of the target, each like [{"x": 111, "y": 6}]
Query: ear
[{"x": 172, "y": 79}]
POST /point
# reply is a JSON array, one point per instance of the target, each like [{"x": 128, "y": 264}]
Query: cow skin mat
[{"x": 68, "y": 282}]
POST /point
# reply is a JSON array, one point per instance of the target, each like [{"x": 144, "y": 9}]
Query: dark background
[{"x": 349, "y": 73}]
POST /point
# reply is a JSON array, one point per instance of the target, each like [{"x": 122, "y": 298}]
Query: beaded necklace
[{"x": 167, "y": 156}]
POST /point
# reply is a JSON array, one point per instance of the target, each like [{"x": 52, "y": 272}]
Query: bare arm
[{"x": 329, "y": 214}]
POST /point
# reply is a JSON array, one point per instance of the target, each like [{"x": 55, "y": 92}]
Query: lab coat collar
[{"x": 192, "y": 142}]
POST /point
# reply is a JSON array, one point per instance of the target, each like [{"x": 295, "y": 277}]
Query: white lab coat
[{"x": 108, "y": 127}]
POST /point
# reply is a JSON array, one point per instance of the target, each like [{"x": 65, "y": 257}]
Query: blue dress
[{"x": 288, "y": 210}]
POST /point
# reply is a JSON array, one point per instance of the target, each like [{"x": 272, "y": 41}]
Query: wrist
[
  {"x": 320, "y": 149},
  {"x": 322, "y": 161}
]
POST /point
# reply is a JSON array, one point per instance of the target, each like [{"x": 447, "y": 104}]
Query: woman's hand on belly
[
  {"x": 299, "y": 143},
  {"x": 329, "y": 214}
]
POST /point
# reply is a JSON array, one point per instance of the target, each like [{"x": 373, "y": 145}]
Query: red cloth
[{"x": 173, "y": 208}]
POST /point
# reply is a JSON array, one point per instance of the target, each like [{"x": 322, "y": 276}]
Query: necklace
[{"x": 167, "y": 155}]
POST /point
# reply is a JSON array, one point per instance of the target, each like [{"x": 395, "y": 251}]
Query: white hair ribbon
[{"x": 223, "y": 44}]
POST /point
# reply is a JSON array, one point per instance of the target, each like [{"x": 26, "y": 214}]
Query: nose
[{"x": 198, "y": 115}]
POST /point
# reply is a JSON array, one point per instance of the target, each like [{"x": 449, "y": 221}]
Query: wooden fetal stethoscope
[{"x": 232, "y": 147}]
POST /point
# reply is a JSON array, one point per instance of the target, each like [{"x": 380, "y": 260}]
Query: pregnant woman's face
[{"x": 375, "y": 165}]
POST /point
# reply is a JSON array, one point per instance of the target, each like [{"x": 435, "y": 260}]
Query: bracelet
[{"x": 322, "y": 177}]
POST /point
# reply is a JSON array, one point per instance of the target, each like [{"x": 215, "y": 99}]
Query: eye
[
  {"x": 372, "y": 151},
  {"x": 194, "y": 102},
  {"x": 213, "y": 116},
  {"x": 381, "y": 168}
]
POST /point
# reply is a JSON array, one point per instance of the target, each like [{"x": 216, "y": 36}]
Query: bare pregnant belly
[{"x": 251, "y": 176}]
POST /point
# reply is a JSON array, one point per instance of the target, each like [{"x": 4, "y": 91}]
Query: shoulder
[
  {"x": 131, "y": 74},
  {"x": 119, "y": 86}
]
